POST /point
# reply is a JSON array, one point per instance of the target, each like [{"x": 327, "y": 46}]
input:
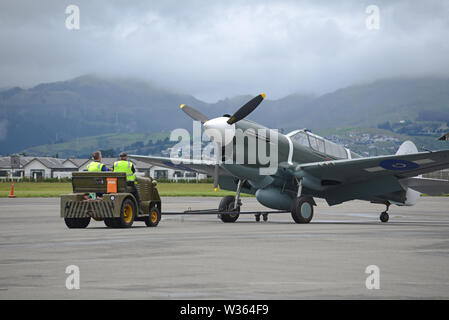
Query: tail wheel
[
  {"x": 226, "y": 205},
  {"x": 153, "y": 218},
  {"x": 384, "y": 216},
  {"x": 77, "y": 223},
  {"x": 302, "y": 210},
  {"x": 127, "y": 213}
]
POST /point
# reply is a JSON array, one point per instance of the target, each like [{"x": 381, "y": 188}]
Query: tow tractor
[{"x": 105, "y": 196}]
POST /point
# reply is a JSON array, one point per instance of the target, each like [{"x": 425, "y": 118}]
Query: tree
[{"x": 109, "y": 153}]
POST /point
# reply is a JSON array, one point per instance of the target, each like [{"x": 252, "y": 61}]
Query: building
[
  {"x": 47, "y": 167},
  {"x": 5, "y": 168}
]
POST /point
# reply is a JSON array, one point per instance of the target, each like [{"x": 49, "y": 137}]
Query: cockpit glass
[
  {"x": 301, "y": 138},
  {"x": 316, "y": 144},
  {"x": 321, "y": 145}
]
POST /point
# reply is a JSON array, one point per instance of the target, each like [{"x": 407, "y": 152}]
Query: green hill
[
  {"x": 49, "y": 115},
  {"x": 113, "y": 144}
]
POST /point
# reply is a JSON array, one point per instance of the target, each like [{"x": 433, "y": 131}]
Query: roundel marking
[{"x": 398, "y": 164}]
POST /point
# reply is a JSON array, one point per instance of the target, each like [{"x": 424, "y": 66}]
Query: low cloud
[
  {"x": 213, "y": 50},
  {"x": 3, "y": 129}
]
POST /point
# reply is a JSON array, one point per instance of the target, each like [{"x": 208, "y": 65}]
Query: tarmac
[{"x": 199, "y": 257}]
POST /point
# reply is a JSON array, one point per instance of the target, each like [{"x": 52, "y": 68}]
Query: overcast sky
[{"x": 213, "y": 49}]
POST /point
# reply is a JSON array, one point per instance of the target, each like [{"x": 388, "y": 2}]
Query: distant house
[
  {"x": 47, "y": 167},
  {"x": 75, "y": 163},
  {"x": 5, "y": 167}
]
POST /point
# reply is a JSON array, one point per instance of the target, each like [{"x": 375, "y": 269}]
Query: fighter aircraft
[{"x": 309, "y": 167}]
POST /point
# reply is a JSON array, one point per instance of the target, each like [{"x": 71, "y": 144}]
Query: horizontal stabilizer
[{"x": 428, "y": 186}]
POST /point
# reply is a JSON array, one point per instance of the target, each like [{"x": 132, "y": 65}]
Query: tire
[
  {"x": 153, "y": 217},
  {"x": 111, "y": 222},
  {"x": 127, "y": 213},
  {"x": 227, "y": 204},
  {"x": 77, "y": 223},
  {"x": 302, "y": 210},
  {"x": 384, "y": 217}
]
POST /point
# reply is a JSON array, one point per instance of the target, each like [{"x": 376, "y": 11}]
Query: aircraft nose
[{"x": 219, "y": 130}]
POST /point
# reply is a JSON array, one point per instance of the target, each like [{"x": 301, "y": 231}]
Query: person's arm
[{"x": 104, "y": 168}]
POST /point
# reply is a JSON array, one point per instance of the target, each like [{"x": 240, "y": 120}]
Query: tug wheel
[
  {"x": 77, "y": 223},
  {"x": 127, "y": 213},
  {"x": 153, "y": 218}
]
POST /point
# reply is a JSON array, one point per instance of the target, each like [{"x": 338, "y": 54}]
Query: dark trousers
[{"x": 134, "y": 192}]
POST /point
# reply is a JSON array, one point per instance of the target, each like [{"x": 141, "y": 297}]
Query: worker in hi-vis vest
[
  {"x": 123, "y": 165},
  {"x": 96, "y": 165}
]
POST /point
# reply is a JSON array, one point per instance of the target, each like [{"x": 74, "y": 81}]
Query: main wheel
[
  {"x": 77, "y": 223},
  {"x": 127, "y": 213},
  {"x": 226, "y": 205},
  {"x": 302, "y": 210},
  {"x": 384, "y": 217},
  {"x": 153, "y": 218}
]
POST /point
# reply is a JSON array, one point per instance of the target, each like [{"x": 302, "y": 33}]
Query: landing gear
[
  {"x": 265, "y": 217},
  {"x": 302, "y": 209},
  {"x": 257, "y": 217},
  {"x": 230, "y": 203},
  {"x": 384, "y": 215},
  {"x": 227, "y": 205}
]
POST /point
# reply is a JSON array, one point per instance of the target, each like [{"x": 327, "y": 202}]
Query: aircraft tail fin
[
  {"x": 407, "y": 147},
  {"x": 412, "y": 196}
]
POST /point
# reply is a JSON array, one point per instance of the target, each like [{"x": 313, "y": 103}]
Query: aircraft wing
[
  {"x": 433, "y": 187},
  {"x": 360, "y": 169},
  {"x": 192, "y": 165}
]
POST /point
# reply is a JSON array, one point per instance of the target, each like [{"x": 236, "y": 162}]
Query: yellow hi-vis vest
[
  {"x": 125, "y": 166},
  {"x": 94, "y": 166}
]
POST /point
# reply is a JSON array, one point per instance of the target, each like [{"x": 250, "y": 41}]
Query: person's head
[
  {"x": 123, "y": 156},
  {"x": 97, "y": 155}
]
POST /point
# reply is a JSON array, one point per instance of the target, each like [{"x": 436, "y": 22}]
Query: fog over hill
[{"x": 92, "y": 105}]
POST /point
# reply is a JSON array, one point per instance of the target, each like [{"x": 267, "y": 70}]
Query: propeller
[
  {"x": 246, "y": 109},
  {"x": 194, "y": 114},
  {"x": 223, "y": 123}
]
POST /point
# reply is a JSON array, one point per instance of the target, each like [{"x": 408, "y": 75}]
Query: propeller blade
[
  {"x": 246, "y": 109},
  {"x": 217, "y": 166},
  {"x": 194, "y": 114}
]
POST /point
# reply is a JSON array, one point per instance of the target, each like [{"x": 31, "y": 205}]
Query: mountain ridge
[{"x": 91, "y": 105}]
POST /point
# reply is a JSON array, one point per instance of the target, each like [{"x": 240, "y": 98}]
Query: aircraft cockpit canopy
[{"x": 317, "y": 143}]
